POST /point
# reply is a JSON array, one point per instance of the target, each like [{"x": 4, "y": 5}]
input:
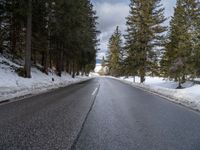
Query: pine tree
[
  {"x": 196, "y": 38},
  {"x": 62, "y": 34},
  {"x": 40, "y": 27},
  {"x": 177, "y": 61},
  {"x": 145, "y": 35},
  {"x": 114, "y": 55},
  {"x": 12, "y": 14}
]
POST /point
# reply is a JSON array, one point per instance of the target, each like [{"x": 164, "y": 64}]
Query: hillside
[{"x": 12, "y": 85}]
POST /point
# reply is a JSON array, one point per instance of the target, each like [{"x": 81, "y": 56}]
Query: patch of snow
[
  {"x": 158, "y": 81},
  {"x": 93, "y": 74},
  {"x": 97, "y": 68},
  {"x": 3, "y": 59},
  {"x": 12, "y": 85},
  {"x": 197, "y": 79},
  {"x": 189, "y": 96}
]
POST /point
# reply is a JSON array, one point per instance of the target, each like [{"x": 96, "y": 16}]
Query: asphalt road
[{"x": 100, "y": 114}]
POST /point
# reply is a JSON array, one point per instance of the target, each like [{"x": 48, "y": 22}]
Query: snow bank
[
  {"x": 11, "y": 85},
  {"x": 93, "y": 74},
  {"x": 189, "y": 96},
  {"x": 97, "y": 68}
]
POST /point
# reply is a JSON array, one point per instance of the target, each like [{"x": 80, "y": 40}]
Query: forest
[{"x": 49, "y": 34}]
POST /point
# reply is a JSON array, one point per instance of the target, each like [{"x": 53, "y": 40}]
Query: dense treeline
[
  {"x": 150, "y": 48},
  {"x": 58, "y": 34}
]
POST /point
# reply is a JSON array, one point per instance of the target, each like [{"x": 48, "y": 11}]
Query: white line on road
[{"x": 93, "y": 93}]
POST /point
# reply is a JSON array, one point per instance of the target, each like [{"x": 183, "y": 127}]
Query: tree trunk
[
  {"x": 67, "y": 65},
  {"x": 58, "y": 59},
  {"x": 179, "y": 83},
  {"x": 62, "y": 58},
  {"x": 73, "y": 70},
  {"x": 42, "y": 59},
  {"x": 13, "y": 40},
  {"x": 50, "y": 59},
  {"x": 28, "y": 41},
  {"x": 34, "y": 57},
  {"x": 58, "y": 68},
  {"x": 142, "y": 75},
  {"x": 45, "y": 62},
  {"x": 134, "y": 78},
  {"x": 142, "y": 79}
]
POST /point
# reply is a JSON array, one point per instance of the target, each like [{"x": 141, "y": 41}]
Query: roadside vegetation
[
  {"x": 49, "y": 34},
  {"x": 152, "y": 49}
]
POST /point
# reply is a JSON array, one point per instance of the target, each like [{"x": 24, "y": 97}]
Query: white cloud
[{"x": 110, "y": 16}]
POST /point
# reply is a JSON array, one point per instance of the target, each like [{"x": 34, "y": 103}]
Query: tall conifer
[
  {"x": 178, "y": 60},
  {"x": 145, "y": 35}
]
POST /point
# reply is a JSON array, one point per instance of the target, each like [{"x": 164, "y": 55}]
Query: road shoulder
[{"x": 168, "y": 94}]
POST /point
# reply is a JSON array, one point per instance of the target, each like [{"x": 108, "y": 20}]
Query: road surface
[{"x": 100, "y": 114}]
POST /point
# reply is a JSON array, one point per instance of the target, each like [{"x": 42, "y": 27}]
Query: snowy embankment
[
  {"x": 12, "y": 85},
  {"x": 189, "y": 96}
]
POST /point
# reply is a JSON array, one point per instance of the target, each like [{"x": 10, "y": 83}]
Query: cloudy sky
[{"x": 112, "y": 13}]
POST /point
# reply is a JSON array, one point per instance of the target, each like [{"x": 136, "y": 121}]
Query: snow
[
  {"x": 97, "y": 68},
  {"x": 12, "y": 85},
  {"x": 158, "y": 81},
  {"x": 188, "y": 96},
  {"x": 93, "y": 74}
]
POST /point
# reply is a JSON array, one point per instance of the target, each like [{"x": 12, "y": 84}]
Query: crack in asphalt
[{"x": 73, "y": 147}]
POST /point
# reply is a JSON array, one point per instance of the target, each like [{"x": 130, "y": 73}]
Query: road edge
[
  {"x": 167, "y": 97},
  {"x": 22, "y": 97}
]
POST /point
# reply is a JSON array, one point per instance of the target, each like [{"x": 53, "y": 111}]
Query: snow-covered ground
[
  {"x": 97, "y": 68},
  {"x": 93, "y": 74},
  {"x": 189, "y": 96},
  {"x": 11, "y": 85}
]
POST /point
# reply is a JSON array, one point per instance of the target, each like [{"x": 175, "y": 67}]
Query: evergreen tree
[
  {"x": 196, "y": 38},
  {"x": 178, "y": 61},
  {"x": 12, "y": 15},
  {"x": 114, "y": 54},
  {"x": 58, "y": 34},
  {"x": 40, "y": 28},
  {"x": 145, "y": 35}
]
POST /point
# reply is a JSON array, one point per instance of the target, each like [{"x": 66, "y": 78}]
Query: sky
[{"x": 113, "y": 13}]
